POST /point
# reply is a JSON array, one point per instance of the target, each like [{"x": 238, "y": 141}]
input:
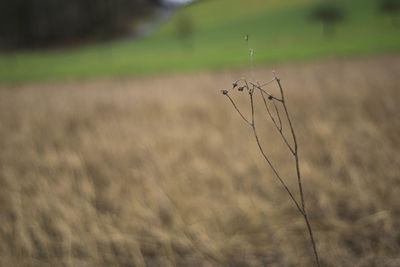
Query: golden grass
[{"x": 163, "y": 172}]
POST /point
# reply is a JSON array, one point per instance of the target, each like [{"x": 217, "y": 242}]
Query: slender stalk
[
  {"x": 300, "y": 207},
  {"x": 240, "y": 113},
  {"x": 311, "y": 238},
  {"x": 293, "y": 149},
  {"x": 253, "y": 126},
  {"x": 296, "y": 156},
  {"x": 279, "y": 128},
  {"x": 296, "y": 152}
]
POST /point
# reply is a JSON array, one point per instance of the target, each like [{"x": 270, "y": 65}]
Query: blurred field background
[
  {"x": 208, "y": 34},
  {"x": 123, "y": 152},
  {"x": 163, "y": 172}
]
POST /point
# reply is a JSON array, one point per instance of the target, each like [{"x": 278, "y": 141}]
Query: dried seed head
[
  {"x": 224, "y": 92},
  {"x": 234, "y": 84},
  {"x": 241, "y": 88},
  {"x": 270, "y": 97}
]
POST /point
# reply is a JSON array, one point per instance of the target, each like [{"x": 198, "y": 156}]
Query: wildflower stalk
[{"x": 277, "y": 121}]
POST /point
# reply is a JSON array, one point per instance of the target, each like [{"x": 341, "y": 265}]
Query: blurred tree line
[
  {"x": 330, "y": 13},
  {"x": 26, "y": 23}
]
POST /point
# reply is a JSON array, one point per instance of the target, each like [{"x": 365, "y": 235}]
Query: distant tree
[
  {"x": 392, "y": 8},
  {"x": 329, "y": 14},
  {"x": 25, "y": 23},
  {"x": 389, "y": 6}
]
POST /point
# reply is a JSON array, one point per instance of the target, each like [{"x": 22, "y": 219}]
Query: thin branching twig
[{"x": 277, "y": 121}]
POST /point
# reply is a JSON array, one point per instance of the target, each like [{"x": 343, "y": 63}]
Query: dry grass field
[{"x": 163, "y": 172}]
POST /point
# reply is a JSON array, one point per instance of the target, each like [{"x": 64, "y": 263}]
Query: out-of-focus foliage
[
  {"x": 38, "y": 22},
  {"x": 329, "y": 13},
  {"x": 389, "y": 6}
]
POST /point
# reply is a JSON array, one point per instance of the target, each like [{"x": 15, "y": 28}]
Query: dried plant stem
[
  {"x": 253, "y": 126},
  {"x": 279, "y": 127},
  {"x": 296, "y": 156},
  {"x": 293, "y": 149}
]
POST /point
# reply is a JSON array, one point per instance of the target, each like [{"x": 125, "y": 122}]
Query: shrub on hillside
[{"x": 329, "y": 14}]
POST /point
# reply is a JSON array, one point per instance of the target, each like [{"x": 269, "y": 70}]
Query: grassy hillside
[{"x": 279, "y": 31}]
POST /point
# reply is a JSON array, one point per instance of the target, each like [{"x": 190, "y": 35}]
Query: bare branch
[
  {"x": 268, "y": 160},
  {"x": 234, "y": 105},
  {"x": 269, "y": 95},
  {"x": 296, "y": 156},
  {"x": 279, "y": 126},
  {"x": 264, "y": 84},
  {"x": 279, "y": 117},
  {"x": 268, "y": 111}
]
